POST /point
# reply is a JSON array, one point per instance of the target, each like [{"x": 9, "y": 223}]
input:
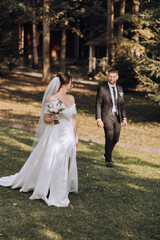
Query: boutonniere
[{"x": 121, "y": 94}]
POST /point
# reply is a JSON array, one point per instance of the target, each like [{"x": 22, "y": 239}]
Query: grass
[
  {"x": 21, "y": 100},
  {"x": 120, "y": 203},
  {"x": 112, "y": 204},
  {"x": 143, "y": 118}
]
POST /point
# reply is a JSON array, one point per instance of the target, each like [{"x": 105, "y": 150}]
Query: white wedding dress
[{"x": 47, "y": 171}]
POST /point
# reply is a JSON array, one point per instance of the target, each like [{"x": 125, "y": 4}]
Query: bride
[{"x": 51, "y": 169}]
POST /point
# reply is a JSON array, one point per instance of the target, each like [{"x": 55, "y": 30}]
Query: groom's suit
[{"x": 112, "y": 120}]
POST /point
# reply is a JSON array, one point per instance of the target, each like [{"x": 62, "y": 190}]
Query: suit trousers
[{"x": 112, "y": 132}]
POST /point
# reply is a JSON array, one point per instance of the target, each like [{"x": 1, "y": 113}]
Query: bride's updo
[{"x": 64, "y": 78}]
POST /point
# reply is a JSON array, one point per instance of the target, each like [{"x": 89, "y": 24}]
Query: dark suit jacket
[{"x": 104, "y": 103}]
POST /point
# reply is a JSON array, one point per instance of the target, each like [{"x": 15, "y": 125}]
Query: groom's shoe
[{"x": 109, "y": 165}]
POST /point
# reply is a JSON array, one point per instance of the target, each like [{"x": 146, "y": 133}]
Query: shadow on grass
[
  {"x": 28, "y": 120},
  {"x": 139, "y": 108},
  {"x": 22, "y": 96},
  {"x": 112, "y": 204},
  {"x": 18, "y": 91}
]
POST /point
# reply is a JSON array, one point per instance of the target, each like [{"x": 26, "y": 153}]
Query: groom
[{"x": 110, "y": 112}]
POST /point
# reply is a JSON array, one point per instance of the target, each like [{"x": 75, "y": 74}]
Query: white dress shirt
[{"x": 112, "y": 96}]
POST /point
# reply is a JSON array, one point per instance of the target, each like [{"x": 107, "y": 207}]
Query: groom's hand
[
  {"x": 100, "y": 123},
  {"x": 124, "y": 123}
]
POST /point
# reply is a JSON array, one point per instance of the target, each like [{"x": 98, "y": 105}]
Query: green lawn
[{"x": 112, "y": 204}]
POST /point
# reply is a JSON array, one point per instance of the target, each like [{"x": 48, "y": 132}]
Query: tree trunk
[
  {"x": 35, "y": 37},
  {"x": 46, "y": 42},
  {"x": 141, "y": 6},
  {"x": 110, "y": 20},
  {"x": 121, "y": 25},
  {"x": 136, "y": 5},
  {"x": 63, "y": 49}
]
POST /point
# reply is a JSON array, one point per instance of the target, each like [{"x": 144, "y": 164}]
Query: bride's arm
[
  {"x": 49, "y": 118},
  {"x": 75, "y": 130}
]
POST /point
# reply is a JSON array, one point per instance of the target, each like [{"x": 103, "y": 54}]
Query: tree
[
  {"x": 149, "y": 75},
  {"x": 63, "y": 47},
  {"x": 136, "y": 5},
  {"x": 65, "y": 15},
  {"x": 35, "y": 35},
  {"x": 148, "y": 65},
  {"x": 11, "y": 12},
  {"x": 110, "y": 20},
  {"x": 46, "y": 42},
  {"x": 121, "y": 24}
]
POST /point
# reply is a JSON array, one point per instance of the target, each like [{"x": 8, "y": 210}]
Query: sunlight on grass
[
  {"x": 13, "y": 142},
  {"x": 131, "y": 185},
  {"x": 141, "y": 134},
  {"x": 112, "y": 204},
  {"x": 20, "y": 238},
  {"x": 74, "y": 67},
  {"x": 23, "y": 103},
  {"x": 50, "y": 235},
  {"x": 127, "y": 234}
]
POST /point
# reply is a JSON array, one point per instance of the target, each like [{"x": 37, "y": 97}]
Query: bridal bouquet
[{"x": 55, "y": 107}]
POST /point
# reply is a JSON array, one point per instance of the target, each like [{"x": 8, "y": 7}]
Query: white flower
[
  {"x": 121, "y": 94},
  {"x": 55, "y": 107},
  {"x": 55, "y": 110},
  {"x": 51, "y": 109},
  {"x": 50, "y": 105}
]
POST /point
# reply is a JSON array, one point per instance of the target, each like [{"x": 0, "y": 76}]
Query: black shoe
[{"x": 109, "y": 165}]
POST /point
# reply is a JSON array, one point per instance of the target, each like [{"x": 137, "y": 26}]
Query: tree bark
[
  {"x": 63, "y": 48},
  {"x": 110, "y": 20},
  {"x": 46, "y": 42},
  {"x": 141, "y": 6},
  {"x": 121, "y": 25},
  {"x": 136, "y": 7},
  {"x": 35, "y": 37}
]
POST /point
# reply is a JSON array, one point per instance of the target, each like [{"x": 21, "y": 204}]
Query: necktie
[{"x": 114, "y": 95}]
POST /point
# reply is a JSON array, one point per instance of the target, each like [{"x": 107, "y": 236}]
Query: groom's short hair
[{"x": 113, "y": 71}]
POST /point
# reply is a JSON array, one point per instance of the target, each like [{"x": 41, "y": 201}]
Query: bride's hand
[
  {"x": 50, "y": 118},
  {"x": 54, "y": 116},
  {"x": 76, "y": 141}
]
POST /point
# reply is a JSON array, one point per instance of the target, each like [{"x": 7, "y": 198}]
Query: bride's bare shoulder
[
  {"x": 71, "y": 98},
  {"x": 52, "y": 98}
]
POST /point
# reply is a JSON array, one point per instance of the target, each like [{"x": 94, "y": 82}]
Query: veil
[{"x": 52, "y": 88}]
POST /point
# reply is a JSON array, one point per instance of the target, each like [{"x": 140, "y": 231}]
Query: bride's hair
[{"x": 64, "y": 78}]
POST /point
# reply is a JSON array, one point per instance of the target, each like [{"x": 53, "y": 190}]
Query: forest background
[{"x": 130, "y": 28}]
